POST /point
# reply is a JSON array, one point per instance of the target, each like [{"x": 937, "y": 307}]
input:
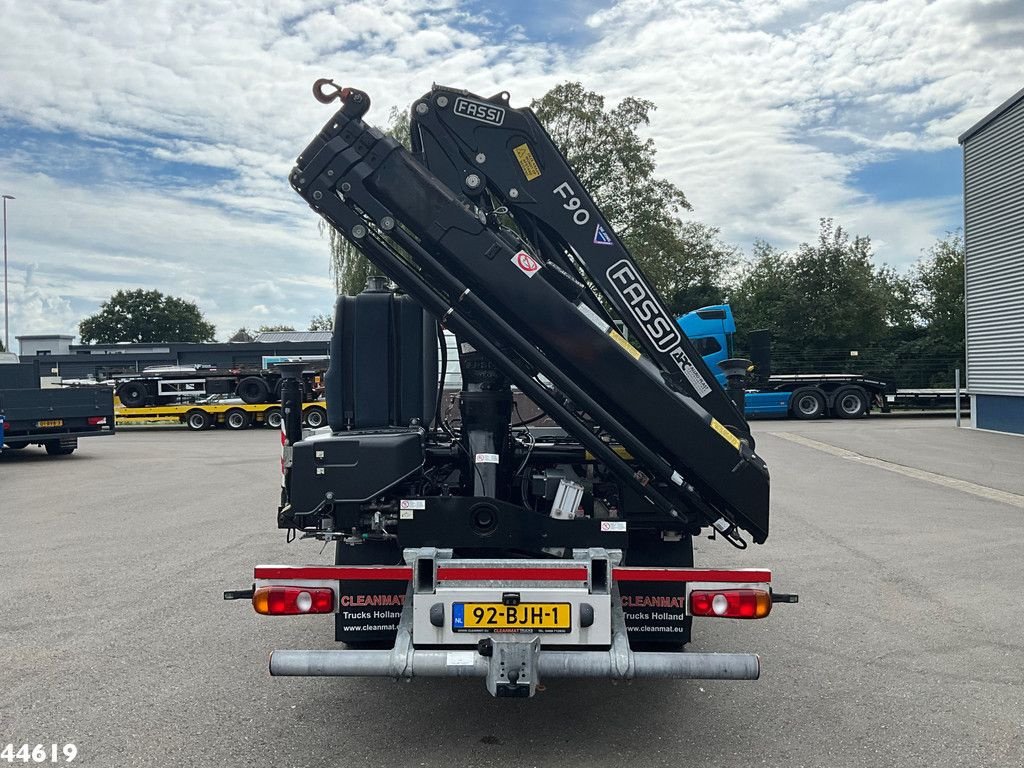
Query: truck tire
[
  {"x": 315, "y": 417},
  {"x": 272, "y": 418},
  {"x": 807, "y": 404},
  {"x": 237, "y": 419},
  {"x": 198, "y": 420},
  {"x": 132, "y": 394},
  {"x": 850, "y": 403},
  {"x": 54, "y": 448},
  {"x": 253, "y": 390}
]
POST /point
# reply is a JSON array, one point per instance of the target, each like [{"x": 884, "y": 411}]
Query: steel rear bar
[{"x": 557, "y": 664}]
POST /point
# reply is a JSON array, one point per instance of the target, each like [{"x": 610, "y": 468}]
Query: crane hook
[{"x": 326, "y": 97}]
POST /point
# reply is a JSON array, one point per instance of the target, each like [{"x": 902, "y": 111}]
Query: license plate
[
  {"x": 51, "y": 423},
  {"x": 525, "y": 617}
]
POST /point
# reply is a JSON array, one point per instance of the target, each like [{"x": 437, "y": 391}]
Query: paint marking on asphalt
[{"x": 983, "y": 491}]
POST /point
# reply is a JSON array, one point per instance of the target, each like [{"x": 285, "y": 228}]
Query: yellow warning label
[
  {"x": 526, "y": 161},
  {"x": 728, "y": 436},
  {"x": 622, "y": 452},
  {"x": 633, "y": 351}
]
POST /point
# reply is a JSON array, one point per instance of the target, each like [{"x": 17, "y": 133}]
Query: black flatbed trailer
[{"x": 54, "y": 418}]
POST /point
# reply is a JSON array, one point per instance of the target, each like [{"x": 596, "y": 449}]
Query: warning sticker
[
  {"x": 601, "y": 236},
  {"x": 614, "y": 526},
  {"x": 487, "y": 458},
  {"x": 526, "y": 263},
  {"x": 526, "y": 161},
  {"x": 413, "y": 504},
  {"x": 621, "y": 341},
  {"x": 722, "y": 430}
]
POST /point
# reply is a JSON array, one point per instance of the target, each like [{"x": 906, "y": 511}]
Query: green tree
[
  {"x": 939, "y": 277},
  {"x": 349, "y": 268},
  {"x": 321, "y": 321},
  {"x": 821, "y": 302},
  {"x": 241, "y": 335},
  {"x": 145, "y": 316},
  {"x": 616, "y": 165}
]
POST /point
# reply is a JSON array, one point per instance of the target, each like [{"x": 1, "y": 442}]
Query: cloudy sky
[{"x": 148, "y": 143}]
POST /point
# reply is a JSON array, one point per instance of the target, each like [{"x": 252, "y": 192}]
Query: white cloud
[{"x": 765, "y": 110}]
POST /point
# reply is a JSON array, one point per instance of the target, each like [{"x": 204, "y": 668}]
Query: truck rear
[{"x": 470, "y": 541}]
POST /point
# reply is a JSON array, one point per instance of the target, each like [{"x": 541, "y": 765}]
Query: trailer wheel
[
  {"x": 850, "y": 403},
  {"x": 197, "y": 420},
  {"x": 236, "y": 418},
  {"x": 54, "y": 448},
  {"x": 132, "y": 394},
  {"x": 253, "y": 390},
  {"x": 272, "y": 418},
  {"x": 808, "y": 404},
  {"x": 315, "y": 417}
]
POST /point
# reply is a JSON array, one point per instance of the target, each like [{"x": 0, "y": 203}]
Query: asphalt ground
[{"x": 905, "y": 649}]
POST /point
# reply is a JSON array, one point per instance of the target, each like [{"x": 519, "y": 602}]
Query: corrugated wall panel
[{"x": 994, "y": 236}]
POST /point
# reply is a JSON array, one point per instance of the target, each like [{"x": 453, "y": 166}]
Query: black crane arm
[
  {"x": 500, "y": 157},
  {"x": 451, "y": 258}
]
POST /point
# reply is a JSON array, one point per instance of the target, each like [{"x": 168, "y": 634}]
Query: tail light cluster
[
  {"x": 292, "y": 601},
  {"x": 95, "y": 421},
  {"x": 731, "y": 603}
]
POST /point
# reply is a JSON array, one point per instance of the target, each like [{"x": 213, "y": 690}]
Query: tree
[
  {"x": 939, "y": 277},
  {"x": 349, "y": 268},
  {"x": 693, "y": 271},
  {"x": 145, "y": 316},
  {"x": 321, "y": 321},
  {"x": 686, "y": 262},
  {"x": 241, "y": 335},
  {"x": 821, "y": 302}
]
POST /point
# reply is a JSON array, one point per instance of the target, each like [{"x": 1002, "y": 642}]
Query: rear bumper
[{"x": 613, "y": 664}]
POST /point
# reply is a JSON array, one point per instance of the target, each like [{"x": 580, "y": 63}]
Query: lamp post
[{"x": 7, "y": 322}]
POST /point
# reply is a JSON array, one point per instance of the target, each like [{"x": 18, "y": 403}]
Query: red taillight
[
  {"x": 293, "y": 601},
  {"x": 731, "y": 603},
  {"x": 95, "y": 421}
]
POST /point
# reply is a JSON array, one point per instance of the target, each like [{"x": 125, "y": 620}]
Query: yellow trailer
[{"x": 236, "y": 416}]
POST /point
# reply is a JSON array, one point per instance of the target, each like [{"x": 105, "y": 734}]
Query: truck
[
  {"x": 477, "y": 543},
  {"x": 52, "y": 418},
  {"x": 802, "y": 396}
]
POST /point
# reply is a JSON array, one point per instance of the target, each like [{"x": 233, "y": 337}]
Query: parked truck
[
  {"x": 802, "y": 395},
  {"x": 473, "y": 543},
  {"x": 52, "y": 418}
]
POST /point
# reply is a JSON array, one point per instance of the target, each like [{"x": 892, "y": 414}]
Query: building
[
  {"x": 994, "y": 268},
  {"x": 59, "y": 359},
  {"x": 40, "y": 346}
]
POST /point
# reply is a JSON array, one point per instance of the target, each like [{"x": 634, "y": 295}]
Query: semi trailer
[
  {"x": 174, "y": 385},
  {"x": 477, "y": 543}
]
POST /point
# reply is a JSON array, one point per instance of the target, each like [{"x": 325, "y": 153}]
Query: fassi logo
[
  {"x": 477, "y": 110},
  {"x": 658, "y": 326}
]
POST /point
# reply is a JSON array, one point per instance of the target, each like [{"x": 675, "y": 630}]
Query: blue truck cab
[{"x": 803, "y": 396}]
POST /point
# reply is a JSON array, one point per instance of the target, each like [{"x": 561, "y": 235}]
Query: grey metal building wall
[{"x": 994, "y": 274}]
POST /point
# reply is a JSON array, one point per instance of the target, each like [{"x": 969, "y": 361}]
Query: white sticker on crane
[
  {"x": 487, "y": 458},
  {"x": 407, "y": 514},
  {"x": 528, "y": 265},
  {"x": 613, "y": 526},
  {"x": 461, "y": 658},
  {"x": 413, "y": 504}
]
